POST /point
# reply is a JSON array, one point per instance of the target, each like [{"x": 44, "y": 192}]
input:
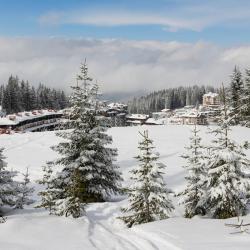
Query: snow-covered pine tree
[
  {"x": 148, "y": 195},
  {"x": 195, "y": 167},
  {"x": 88, "y": 173},
  {"x": 24, "y": 192},
  {"x": 48, "y": 194},
  {"x": 246, "y": 101},
  {"x": 8, "y": 187},
  {"x": 227, "y": 183},
  {"x": 236, "y": 92}
]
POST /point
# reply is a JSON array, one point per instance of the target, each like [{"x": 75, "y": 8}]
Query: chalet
[
  {"x": 194, "y": 118},
  {"x": 211, "y": 100},
  {"x": 152, "y": 121},
  {"x": 136, "y": 119},
  {"x": 116, "y": 114}
]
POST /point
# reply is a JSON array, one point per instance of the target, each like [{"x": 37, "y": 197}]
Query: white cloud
[
  {"x": 119, "y": 65},
  {"x": 111, "y": 18},
  {"x": 189, "y": 15}
]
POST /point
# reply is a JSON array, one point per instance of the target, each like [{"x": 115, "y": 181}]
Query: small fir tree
[
  {"x": 227, "y": 182},
  {"x": 25, "y": 191},
  {"x": 8, "y": 187},
  {"x": 148, "y": 195},
  {"x": 195, "y": 157},
  {"x": 47, "y": 195}
]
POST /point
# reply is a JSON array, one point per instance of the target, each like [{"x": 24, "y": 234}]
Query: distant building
[
  {"x": 193, "y": 118},
  {"x": 136, "y": 119},
  {"x": 35, "y": 120},
  {"x": 211, "y": 100},
  {"x": 116, "y": 114}
]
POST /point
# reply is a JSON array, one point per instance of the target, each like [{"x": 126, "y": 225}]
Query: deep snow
[{"x": 100, "y": 229}]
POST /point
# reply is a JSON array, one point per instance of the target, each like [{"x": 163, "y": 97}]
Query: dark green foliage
[
  {"x": 19, "y": 96},
  {"x": 169, "y": 98}
]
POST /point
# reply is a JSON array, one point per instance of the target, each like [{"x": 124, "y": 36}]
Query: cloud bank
[{"x": 120, "y": 66}]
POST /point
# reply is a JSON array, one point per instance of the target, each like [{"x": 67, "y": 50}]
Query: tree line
[
  {"x": 17, "y": 96},
  {"x": 171, "y": 98}
]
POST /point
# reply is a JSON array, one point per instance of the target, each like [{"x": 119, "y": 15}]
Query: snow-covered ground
[{"x": 34, "y": 229}]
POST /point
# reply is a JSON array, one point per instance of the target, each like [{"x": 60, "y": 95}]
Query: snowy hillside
[{"x": 100, "y": 229}]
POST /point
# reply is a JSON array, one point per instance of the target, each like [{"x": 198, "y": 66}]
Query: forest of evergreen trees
[
  {"x": 17, "y": 96},
  {"x": 171, "y": 98}
]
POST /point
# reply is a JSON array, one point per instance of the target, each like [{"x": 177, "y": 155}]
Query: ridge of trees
[
  {"x": 170, "y": 98},
  {"x": 19, "y": 95}
]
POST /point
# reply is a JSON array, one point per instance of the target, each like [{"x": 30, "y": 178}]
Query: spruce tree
[
  {"x": 148, "y": 195},
  {"x": 227, "y": 182},
  {"x": 88, "y": 173},
  {"x": 48, "y": 193},
  {"x": 24, "y": 192},
  {"x": 192, "y": 195},
  {"x": 246, "y": 100},
  {"x": 8, "y": 187},
  {"x": 236, "y": 91}
]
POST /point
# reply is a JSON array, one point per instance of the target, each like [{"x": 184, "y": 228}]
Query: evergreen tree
[
  {"x": 148, "y": 195},
  {"x": 227, "y": 182},
  {"x": 22, "y": 94},
  {"x": 236, "y": 91},
  {"x": 193, "y": 192},
  {"x": 11, "y": 97},
  {"x": 48, "y": 194},
  {"x": 88, "y": 173},
  {"x": 245, "y": 108},
  {"x": 24, "y": 192},
  {"x": 8, "y": 187}
]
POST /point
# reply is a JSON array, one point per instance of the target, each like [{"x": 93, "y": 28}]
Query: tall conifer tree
[
  {"x": 195, "y": 157},
  {"x": 227, "y": 181},
  {"x": 88, "y": 173}
]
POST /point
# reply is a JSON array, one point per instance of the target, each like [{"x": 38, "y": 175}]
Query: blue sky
[
  {"x": 132, "y": 46},
  {"x": 224, "y": 22}
]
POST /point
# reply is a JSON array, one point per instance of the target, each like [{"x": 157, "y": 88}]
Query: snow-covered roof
[
  {"x": 14, "y": 119},
  {"x": 156, "y": 122},
  {"x": 4, "y": 121},
  {"x": 137, "y": 116},
  {"x": 210, "y": 94},
  {"x": 192, "y": 114},
  {"x": 134, "y": 122},
  {"x": 189, "y": 107},
  {"x": 116, "y": 105},
  {"x": 165, "y": 110}
]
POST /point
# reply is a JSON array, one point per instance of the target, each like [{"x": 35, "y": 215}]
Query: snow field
[{"x": 35, "y": 229}]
